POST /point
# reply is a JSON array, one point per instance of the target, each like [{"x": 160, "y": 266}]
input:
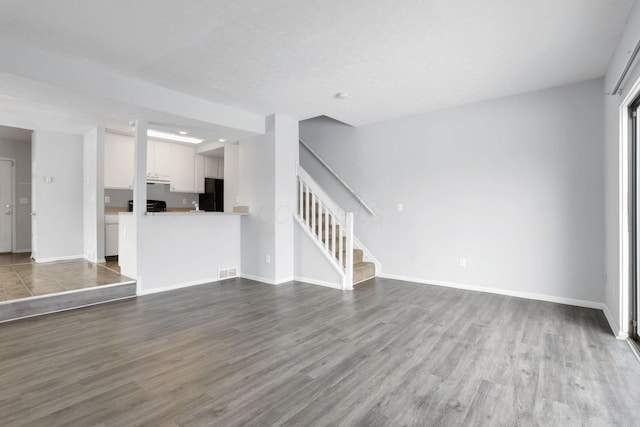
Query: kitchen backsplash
[{"x": 120, "y": 198}]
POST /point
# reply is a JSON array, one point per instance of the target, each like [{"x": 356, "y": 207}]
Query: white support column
[{"x": 140, "y": 191}]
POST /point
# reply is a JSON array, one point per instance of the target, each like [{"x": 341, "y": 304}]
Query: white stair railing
[{"x": 330, "y": 226}]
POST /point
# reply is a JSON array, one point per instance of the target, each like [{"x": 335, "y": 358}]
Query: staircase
[{"x": 332, "y": 228}]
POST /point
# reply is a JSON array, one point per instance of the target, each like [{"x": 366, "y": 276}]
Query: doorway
[{"x": 6, "y": 205}]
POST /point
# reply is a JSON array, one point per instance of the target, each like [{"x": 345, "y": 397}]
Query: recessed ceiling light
[
  {"x": 222, "y": 140},
  {"x": 342, "y": 95},
  {"x": 183, "y": 132},
  {"x": 173, "y": 137}
]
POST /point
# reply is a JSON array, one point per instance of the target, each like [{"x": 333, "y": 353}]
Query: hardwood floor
[{"x": 389, "y": 353}]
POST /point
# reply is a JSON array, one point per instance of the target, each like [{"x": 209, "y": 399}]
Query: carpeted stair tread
[{"x": 363, "y": 271}]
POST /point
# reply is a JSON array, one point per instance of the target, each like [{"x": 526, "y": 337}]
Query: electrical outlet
[
  {"x": 184, "y": 201},
  {"x": 107, "y": 199},
  {"x": 463, "y": 262},
  {"x": 24, "y": 201},
  {"x": 267, "y": 259}
]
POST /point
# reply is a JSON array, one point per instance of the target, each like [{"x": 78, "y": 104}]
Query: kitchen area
[{"x": 182, "y": 177}]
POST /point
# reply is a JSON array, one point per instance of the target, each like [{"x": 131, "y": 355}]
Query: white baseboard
[
  {"x": 21, "y": 251},
  {"x": 318, "y": 282},
  {"x": 176, "y": 286},
  {"x": 507, "y": 292},
  {"x": 95, "y": 261},
  {"x": 267, "y": 281},
  {"x": 613, "y": 324},
  {"x": 60, "y": 258}
]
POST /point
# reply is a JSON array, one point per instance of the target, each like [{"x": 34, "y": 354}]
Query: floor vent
[{"x": 227, "y": 273}]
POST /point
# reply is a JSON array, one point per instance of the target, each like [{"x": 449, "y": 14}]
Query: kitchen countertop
[{"x": 187, "y": 213}]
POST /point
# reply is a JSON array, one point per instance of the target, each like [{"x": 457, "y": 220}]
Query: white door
[{"x": 6, "y": 206}]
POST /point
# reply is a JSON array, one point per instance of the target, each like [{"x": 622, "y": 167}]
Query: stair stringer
[{"x": 326, "y": 271}]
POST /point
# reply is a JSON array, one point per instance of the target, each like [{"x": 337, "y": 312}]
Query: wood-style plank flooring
[{"x": 389, "y": 353}]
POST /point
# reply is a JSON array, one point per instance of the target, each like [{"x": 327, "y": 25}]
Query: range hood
[{"x": 158, "y": 180}]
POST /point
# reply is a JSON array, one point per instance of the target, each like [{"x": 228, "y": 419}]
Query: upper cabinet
[
  {"x": 210, "y": 167},
  {"x": 176, "y": 164},
  {"x": 183, "y": 168},
  {"x": 118, "y": 161},
  {"x": 213, "y": 167},
  {"x": 159, "y": 160},
  {"x": 199, "y": 175}
]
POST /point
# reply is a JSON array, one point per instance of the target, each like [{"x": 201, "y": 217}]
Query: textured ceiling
[{"x": 395, "y": 58}]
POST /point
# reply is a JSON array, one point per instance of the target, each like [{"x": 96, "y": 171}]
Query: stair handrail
[
  {"x": 335, "y": 174},
  {"x": 343, "y": 225}
]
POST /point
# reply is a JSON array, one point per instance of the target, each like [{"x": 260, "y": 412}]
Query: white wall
[
  {"x": 59, "y": 204},
  {"x": 182, "y": 250},
  {"x": 256, "y": 163},
  {"x": 311, "y": 263},
  {"x": 93, "y": 195},
  {"x": 21, "y": 152},
  {"x": 629, "y": 38},
  {"x": 231, "y": 176},
  {"x": 514, "y": 185},
  {"x": 286, "y": 195},
  {"x": 267, "y": 184}
]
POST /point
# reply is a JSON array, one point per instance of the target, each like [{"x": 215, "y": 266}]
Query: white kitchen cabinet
[
  {"x": 111, "y": 235},
  {"x": 118, "y": 161},
  {"x": 199, "y": 173},
  {"x": 159, "y": 159},
  {"x": 211, "y": 167},
  {"x": 182, "y": 170}
]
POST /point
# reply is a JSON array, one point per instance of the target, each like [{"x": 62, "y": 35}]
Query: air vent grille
[{"x": 227, "y": 273}]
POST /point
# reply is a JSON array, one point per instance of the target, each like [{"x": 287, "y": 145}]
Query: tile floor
[{"x": 20, "y": 277}]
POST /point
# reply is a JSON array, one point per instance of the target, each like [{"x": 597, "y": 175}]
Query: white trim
[
  {"x": 60, "y": 258},
  {"x": 623, "y": 209},
  {"x": 21, "y": 251},
  {"x": 613, "y": 324},
  {"x": 499, "y": 291},
  {"x": 267, "y": 281},
  {"x": 178, "y": 286},
  {"x": 257, "y": 278},
  {"x": 13, "y": 201},
  {"x": 71, "y": 291},
  {"x": 285, "y": 280},
  {"x": 66, "y": 309},
  {"x": 318, "y": 282}
]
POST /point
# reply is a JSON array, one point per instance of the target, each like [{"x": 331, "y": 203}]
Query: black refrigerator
[{"x": 213, "y": 198}]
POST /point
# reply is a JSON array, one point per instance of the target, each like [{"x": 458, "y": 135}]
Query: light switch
[
  {"x": 107, "y": 199},
  {"x": 400, "y": 207}
]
